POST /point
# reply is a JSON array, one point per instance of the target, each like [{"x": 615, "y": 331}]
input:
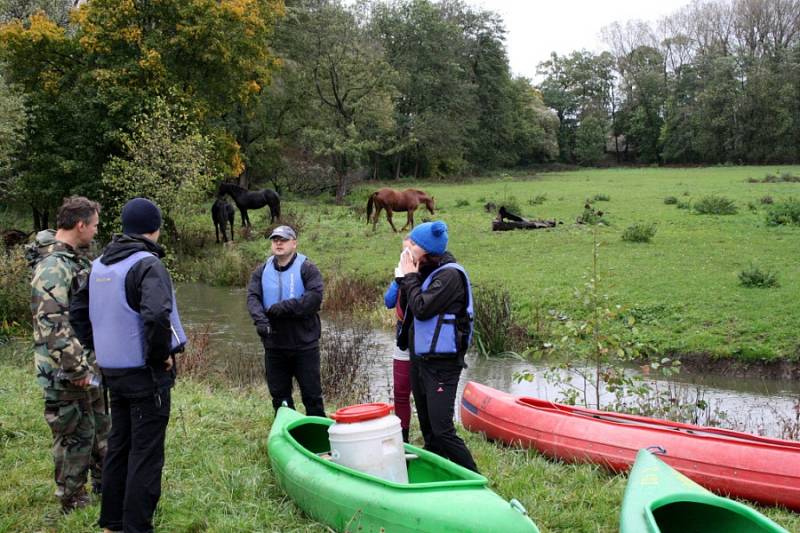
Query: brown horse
[{"x": 392, "y": 200}]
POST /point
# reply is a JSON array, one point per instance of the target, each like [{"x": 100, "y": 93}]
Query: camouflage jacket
[{"x": 58, "y": 270}]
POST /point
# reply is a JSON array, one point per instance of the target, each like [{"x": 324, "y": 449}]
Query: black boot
[{"x": 405, "y": 435}]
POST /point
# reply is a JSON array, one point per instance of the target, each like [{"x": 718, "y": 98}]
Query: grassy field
[
  {"x": 682, "y": 287},
  {"x": 218, "y": 478}
]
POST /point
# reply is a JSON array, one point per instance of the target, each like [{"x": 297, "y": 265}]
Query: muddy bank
[{"x": 778, "y": 369}]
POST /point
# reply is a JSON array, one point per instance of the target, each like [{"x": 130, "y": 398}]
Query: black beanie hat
[{"x": 140, "y": 216}]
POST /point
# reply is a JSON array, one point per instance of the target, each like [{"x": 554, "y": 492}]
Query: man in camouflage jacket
[{"x": 74, "y": 405}]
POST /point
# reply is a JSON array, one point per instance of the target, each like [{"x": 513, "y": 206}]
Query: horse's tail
[{"x": 370, "y": 202}]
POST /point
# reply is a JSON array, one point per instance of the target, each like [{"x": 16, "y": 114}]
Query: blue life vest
[
  {"x": 117, "y": 329},
  {"x": 440, "y": 336},
  {"x": 278, "y": 286}
]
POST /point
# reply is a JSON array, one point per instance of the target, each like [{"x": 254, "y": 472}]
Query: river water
[{"x": 766, "y": 407}]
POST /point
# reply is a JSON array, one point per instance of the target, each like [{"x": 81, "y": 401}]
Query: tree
[
  {"x": 578, "y": 86},
  {"x": 343, "y": 76},
  {"x": 12, "y": 126},
  {"x": 166, "y": 159}
]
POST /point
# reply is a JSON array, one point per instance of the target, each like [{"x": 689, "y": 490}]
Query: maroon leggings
[{"x": 402, "y": 392}]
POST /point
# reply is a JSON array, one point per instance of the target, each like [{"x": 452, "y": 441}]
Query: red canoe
[{"x": 728, "y": 462}]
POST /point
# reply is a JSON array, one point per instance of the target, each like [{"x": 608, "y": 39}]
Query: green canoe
[
  {"x": 660, "y": 499},
  {"x": 440, "y": 496}
]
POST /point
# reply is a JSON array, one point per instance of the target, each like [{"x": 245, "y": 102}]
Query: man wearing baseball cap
[
  {"x": 284, "y": 297},
  {"x": 128, "y": 314}
]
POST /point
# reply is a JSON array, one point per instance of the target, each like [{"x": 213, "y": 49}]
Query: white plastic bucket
[{"x": 373, "y": 446}]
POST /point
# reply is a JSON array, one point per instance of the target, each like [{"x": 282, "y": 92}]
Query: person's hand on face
[{"x": 407, "y": 263}]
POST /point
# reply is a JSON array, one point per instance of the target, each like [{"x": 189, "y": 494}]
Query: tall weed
[{"x": 15, "y": 292}]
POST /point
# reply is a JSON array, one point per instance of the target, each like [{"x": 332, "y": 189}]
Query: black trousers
[
  {"x": 283, "y": 365},
  {"x": 434, "y": 384},
  {"x": 134, "y": 460}
]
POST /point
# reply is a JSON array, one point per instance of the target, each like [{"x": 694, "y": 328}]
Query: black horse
[
  {"x": 252, "y": 200},
  {"x": 221, "y": 213}
]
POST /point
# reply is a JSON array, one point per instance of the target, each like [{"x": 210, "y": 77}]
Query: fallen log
[{"x": 501, "y": 225}]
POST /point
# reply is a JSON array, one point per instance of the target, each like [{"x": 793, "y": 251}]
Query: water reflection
[{"x": 753, "y": 405}]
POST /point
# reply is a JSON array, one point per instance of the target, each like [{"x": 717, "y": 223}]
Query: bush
[
  {"x": 345, "y": 354},
  {"x": 494, "y": 322},
  {"x": 715, "y": 205},
  {"x": 601, "y": 198},
  {"x": 15, "y": 291},
  {"x": 590, "y": 215},
  {"x": 639, "y": 232},
  {"x": 537, "y": 200},
  {"x": 349, "y": 293},
  {"x": 766, "y": 200},
  {"x": 684, "y": 205},
  {"x": 670, "y": 200},
  {"x": 462, "y": 203},
  {"x": 784, "y": 213},
  {"x": 754, "y": 277}
]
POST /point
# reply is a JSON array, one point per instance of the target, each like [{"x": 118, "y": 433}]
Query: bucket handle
[{"x": 517, "y": 506}]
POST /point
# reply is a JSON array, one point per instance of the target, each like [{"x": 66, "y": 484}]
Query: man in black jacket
[
  {"x": 284, "y": 297},
  {"x": 437, "y": 328},
  {"x": 127, "y": 313}
]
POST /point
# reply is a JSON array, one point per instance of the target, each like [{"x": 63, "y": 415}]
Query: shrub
[
  {"x": 670, "y": 200},
  {"x": 228, "y": 267},
  {"x": 345, "y": 353},
  {"x": 15, "y": 291},
  {"x": 349, "y": 293},
  {"x": 462, "y": 203},
  {"x": 684, "y": 205},
  {"x": 601, "y": 198},
  {"x": 511, "y": 203},
  {"x": 784, "y": 212},
  {"x": 754, "y": 277},
  {"x": 537, "y": 200},
  {"x": 715, "y": 205},
  {"x": 639, "y": 232},
  {"x": 590, "y": 215},
  {"x": 766, "y": 200},
  {"x": 494, "y": 322}
]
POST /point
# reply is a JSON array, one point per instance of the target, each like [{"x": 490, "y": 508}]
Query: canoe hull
[
  {"x": 730, "y": 463},
  {"x": 659, "y": 499},
  {"x": 347, "y": 500}
]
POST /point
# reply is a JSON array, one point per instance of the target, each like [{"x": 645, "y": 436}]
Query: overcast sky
[{"x": 534, "y": 29}]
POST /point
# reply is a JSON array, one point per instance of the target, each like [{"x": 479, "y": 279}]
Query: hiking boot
[{"x": 76, "y": 501}]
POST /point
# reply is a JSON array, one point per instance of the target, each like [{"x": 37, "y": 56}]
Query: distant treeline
[
  {"x": 716, "y": 82},
  {"x": 115, "y": 98}
]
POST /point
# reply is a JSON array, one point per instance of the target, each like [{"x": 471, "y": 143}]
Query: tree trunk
[{"x": 397, "y": 162}]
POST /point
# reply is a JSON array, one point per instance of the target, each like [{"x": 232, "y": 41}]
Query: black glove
[{"x": 264, "y": 329}]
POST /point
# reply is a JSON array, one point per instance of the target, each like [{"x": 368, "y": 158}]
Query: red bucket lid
[{"x": 362, "y": 412}]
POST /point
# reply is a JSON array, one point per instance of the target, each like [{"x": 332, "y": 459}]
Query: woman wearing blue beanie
[{"x": 437, "y": 330}]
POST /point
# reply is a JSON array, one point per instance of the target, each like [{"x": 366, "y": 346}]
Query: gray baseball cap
[{"x": 283, "y": 232}]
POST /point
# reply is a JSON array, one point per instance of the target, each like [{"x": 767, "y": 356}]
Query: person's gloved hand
[{"x": 264, "y": 329}]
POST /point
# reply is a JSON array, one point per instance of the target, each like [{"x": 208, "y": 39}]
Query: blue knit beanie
[
  {"x": 140, "y": 216},
  {"x": 431, "y": 237}
]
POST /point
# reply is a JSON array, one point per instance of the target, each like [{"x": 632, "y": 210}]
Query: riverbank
[
  {"x": 682, "y": 289},
  {"x": 218, "y": 477}
]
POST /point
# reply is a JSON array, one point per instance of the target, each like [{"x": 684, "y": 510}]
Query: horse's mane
[{"x": 233, "y": 186}]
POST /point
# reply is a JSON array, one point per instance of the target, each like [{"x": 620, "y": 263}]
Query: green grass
[
  {"x": 689, "y": 274},
  {"x": 686, "y": 280},
  {"x": 218, "y": 478}
]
